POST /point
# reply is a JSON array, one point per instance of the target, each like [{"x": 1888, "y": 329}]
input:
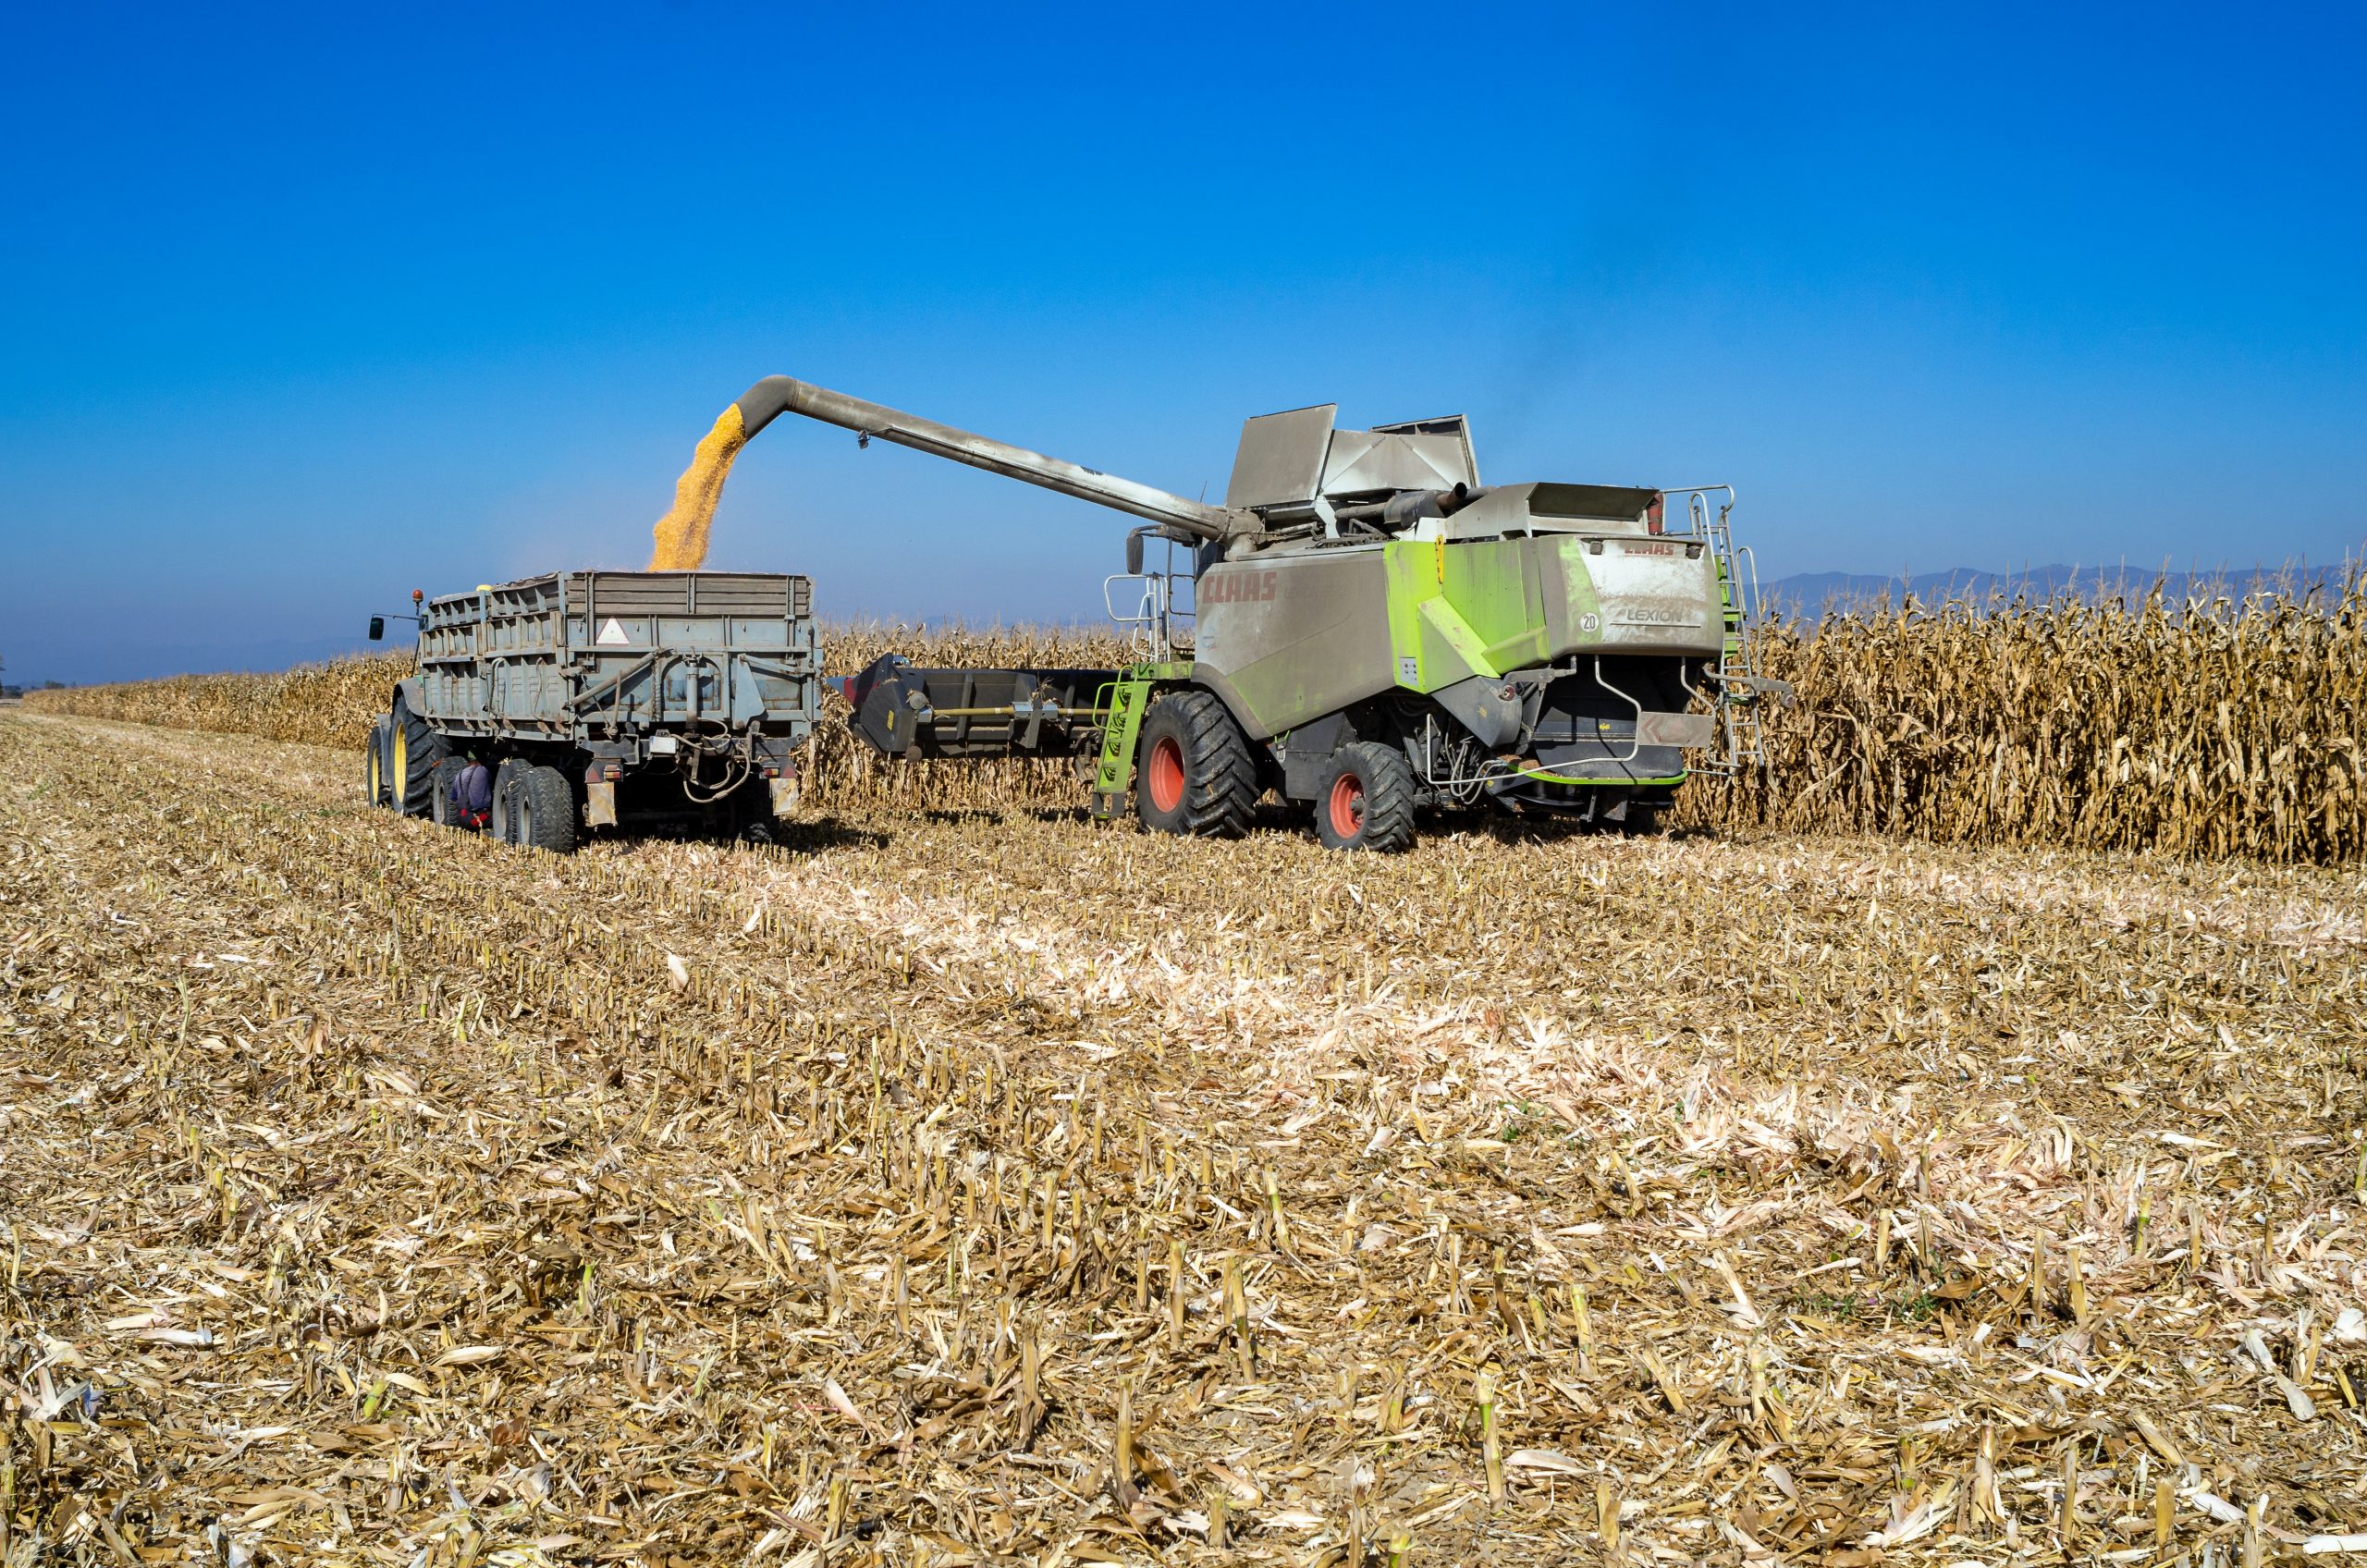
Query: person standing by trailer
[{"x": 473, "y": 796}]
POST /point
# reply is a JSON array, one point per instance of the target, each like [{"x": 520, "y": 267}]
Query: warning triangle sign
[{"x": 612, "y": 634}]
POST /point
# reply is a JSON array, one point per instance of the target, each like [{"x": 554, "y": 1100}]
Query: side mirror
[
  {"x": 377, "y": 628},
  {"x": 1134, "y": 552}
]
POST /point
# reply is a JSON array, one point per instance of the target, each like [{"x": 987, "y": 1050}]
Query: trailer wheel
[
  {"x": 541, "y": 811},
  {"x": 1193, "y": 773},
  {"x": 1365, "y": 800},
  {"x": 374, "y": 764},
  {"x": 441, "y": 810},
  {"x": 414, "y": 753},
  {"x": 505, "y": 794}
]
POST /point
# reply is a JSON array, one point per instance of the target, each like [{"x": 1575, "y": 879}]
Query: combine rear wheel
[
  {"x": 1366, "y": 800},
  {"x": 1193, "y": 773}
]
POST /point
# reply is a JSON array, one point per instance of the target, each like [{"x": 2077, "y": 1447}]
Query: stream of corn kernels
[{"x": 682, "y": 533}]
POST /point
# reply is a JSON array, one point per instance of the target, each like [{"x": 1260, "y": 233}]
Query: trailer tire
[
  {"x": 442, "y": 814},
  {"x": 1193, "y": 770},
  {"x": 541, "y": 811},
  {"x": 1366, "y": 800},
  {"x": 505, "y": 792},
  {"x": 413, "y": 754},
  {"x": 374, "y": 764}
]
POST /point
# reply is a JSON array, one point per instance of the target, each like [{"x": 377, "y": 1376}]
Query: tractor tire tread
[
  {"x": 374, "y": 764},
  {"x": 1219, "y": 775},
  {"x": 424, "y": 752}
]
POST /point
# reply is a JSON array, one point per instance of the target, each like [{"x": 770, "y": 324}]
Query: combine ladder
[{"x": 1739, "y": 683}]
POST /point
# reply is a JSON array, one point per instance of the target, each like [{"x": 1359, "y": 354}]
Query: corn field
[
  {"x": 2230, "y": 727},
  {"x": 2227, "y": 728}
]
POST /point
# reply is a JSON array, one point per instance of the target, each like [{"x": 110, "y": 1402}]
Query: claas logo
[{"x": 1236, "y": 587}]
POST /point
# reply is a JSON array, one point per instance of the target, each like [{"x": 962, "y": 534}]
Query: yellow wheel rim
[
  {"x": 377, "y": 785},
  {"x": 402, "y": 770}
]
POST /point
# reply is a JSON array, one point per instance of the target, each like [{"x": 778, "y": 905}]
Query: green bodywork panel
[
  {"x": 1122, "y": 704},
  {"x": 1479, "y": 608}
]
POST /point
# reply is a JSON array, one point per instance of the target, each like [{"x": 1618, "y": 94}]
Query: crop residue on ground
[{"x": 377, "y": 1194}]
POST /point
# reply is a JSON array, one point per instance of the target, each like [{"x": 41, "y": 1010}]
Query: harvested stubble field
[{"x": 947, "y": 1187}]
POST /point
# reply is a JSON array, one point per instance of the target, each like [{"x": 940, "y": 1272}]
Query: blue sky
[{"x": 300, "y": 309}]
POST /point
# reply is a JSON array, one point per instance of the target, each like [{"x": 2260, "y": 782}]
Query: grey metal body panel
[
  {"x": 614, "y": 655},
  {"x": 1364, "y": 462},
  {"x": 1287, "y": 460},
  {"x": 1655, "y": 595},
  {"x": 1280, "y": 460},
  {"x": 1290, "y": 637}
]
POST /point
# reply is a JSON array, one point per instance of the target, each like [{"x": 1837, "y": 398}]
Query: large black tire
[
  {"x": 541, "y": 811},
  {"x": 374, "y": 764},
  {"x": 505, "y": 780},
  {"x": 1365, "y": 800},
  {"x": 412, "y": 755},
  {"x": 442, "y": 812},
  {"x": 1193, "y": 770}
]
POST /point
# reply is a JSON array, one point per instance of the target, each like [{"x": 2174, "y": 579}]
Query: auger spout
[{"x": 777, "y": 395}]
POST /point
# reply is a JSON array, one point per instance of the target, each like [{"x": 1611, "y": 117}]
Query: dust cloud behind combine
[{"x": 681, "y": 533}]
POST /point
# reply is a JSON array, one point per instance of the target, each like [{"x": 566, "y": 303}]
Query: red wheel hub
[
  {"x": 1166, "y": 773},
  {"x": 1346, "y": 806}
]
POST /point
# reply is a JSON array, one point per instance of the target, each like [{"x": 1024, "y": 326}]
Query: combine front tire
[
  {"x": 1193, "y": 773},
  {"x": 1366, "y": 800},
  {"x": 413, "y": 753}
]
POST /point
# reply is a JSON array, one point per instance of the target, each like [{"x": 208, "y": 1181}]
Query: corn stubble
[
  {"x": 2217, "y": 729},
  {"x": 380, "y": 1194}
]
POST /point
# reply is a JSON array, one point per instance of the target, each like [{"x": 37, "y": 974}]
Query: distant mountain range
[{"x": 1809, "y": 592}]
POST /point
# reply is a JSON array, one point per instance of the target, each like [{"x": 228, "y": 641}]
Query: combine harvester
[{"x": 1362, "y": 628}]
